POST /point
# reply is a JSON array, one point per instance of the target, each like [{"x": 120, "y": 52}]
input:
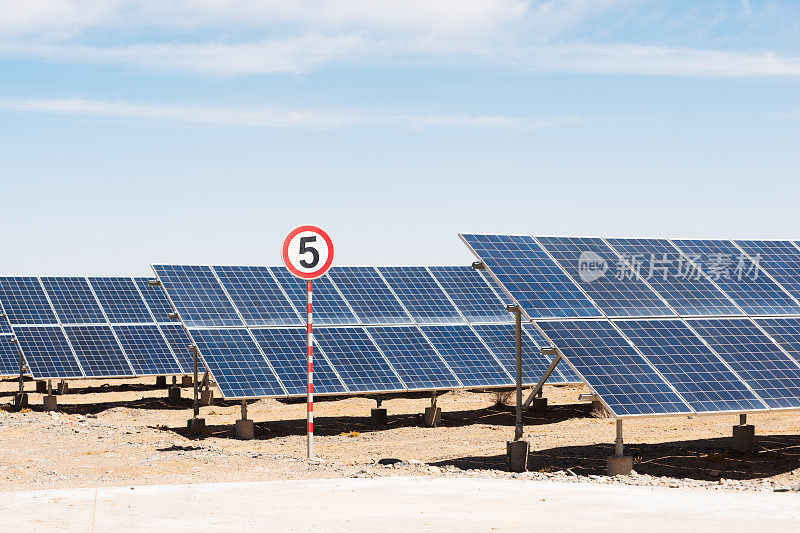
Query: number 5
[{"x": 309, "y": 249}]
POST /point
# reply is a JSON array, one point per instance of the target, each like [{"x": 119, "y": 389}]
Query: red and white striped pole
[{"x": 310, "y": 372}]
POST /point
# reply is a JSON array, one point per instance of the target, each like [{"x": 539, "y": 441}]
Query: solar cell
[
  {"x": 147, "y": 350},
  {"x": 780, "y": 259},
  {"x": 357, "y": 360},
  {"x": 467, "y": 356},
  {"x": 531, "y": 277},
  {"x": 773, "y": 375},
  {"x": 179, "y": 341},
  {"x": 73, "y": 300},
  {"x": 257, "y": 296},
  {"x": 690, "y": 366},
  {"x": 739, "y": 277},
  {"x": 156, "y": 300},
  {"x": 197, "y": 295},
  {"x": 784, "y": 331},
  {"x": 673, "y": 276},
  {"x": 413, "y": 357},
  {"x": 120, "y": 300},
  {"x": 329, "y": 306},
  {"x": 368, "y": 295},
  {"x": 9, "y": 356},
  {"x": 496, "y": 287},
  {"x": 25, "y": 302},
  {"x": 47, "y": 352},
  {"x": 98, "y": 351},
  {"x": 563, "y": 373},
  {"x": 473, "y": 296},
  {"x": 419, "y": 293},
  {"x": 614, "y": 370},
  {"x": 604, "y": 276},
  {"x": 285, "y": 349},
  {"x": 236, "y": 363}
]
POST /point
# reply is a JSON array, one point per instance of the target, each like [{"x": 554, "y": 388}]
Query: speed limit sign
[{"x": 307, "y": 253}]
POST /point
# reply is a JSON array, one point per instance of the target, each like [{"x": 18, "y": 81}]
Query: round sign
[{"x": 307, "y": 252}]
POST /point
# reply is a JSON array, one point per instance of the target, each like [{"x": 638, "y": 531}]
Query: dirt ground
[{"x": 126, "y": 432}]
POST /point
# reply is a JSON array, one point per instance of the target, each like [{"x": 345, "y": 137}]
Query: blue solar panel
[
  {"x": 564, "y": 373},
  {"x": 496, "y": 287},
  {"x": 422, "y": 297},
  {"x": 780, "y": 259},
  {"x": 329, "y": 306},
  {"x": 236, "y": 363},
  {"x": 467, "y": 356},
  {"x": 5, "y": 325},
  {"x": 413, "y": 358},
  {"x": 179, "y": 341},
  {"x": 285, "y": 349},
  {"x": 368, "y": 295},
  {"x": 73, "y": 300},
  {"x": 674, "y": 277},
  {"x": 784, "y": 331},
  {"x": 120, "y": 300},
  {"x": 608, "y": 281},
  {"x": 357, "y": 360},
  {"x": 25, "y": 302},
  {"x": 613, "y": 368},
  {"x": 98, "y": 351},
  {"x": 475, "y": 299},
  {"x": 47, "y": 352},
  {"x": 690, "y": 366},
  {"x": 9, "y": 356},
  {"x": 147, "y": 351},
  {"x": 197, "y": 295},
  {"x": 773, "y": 375},
  {"x": 156, "y": 300},
  {"x": 739, "y": 277},
  {"x": 502, "y": 341},
  {"x": 257, "y": 296},
  {"x": 532, "y": 278}
]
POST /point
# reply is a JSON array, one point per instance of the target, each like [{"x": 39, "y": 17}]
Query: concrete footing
[
  {"x": 41, "y": 386},
  {"x": 62, "y": 388},
  {"x": 161, "y": 382},
  {"x": 744, "y": 438},
  {"x": 539, "y": 405},
  {"x": 50, "y": 403},
  {"x": 206, "y": 397},
  {"x": 620, "y": 466},
  {"x": 432, "y": 417},
  {"x": 186, "y": 381},
  {"x": 174, "y": 394},
  {"x": 196, "y": 426},
  {"x": 245, "y": 429},
  {"x": 378, "y": 416},
  {"x": 598, "y": 406},
  {"x": 517, "y": 454},
  {"x": 20, "y": 400}
]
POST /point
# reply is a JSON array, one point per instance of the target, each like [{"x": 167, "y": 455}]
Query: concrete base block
[
  {"x": 186, "y": 381},
  {"x": 620, "y": 466},
  {"x": 517, "y": 454},
  {"x": 20, "y": 400},
  {"x": 161, "y": 382},
  {"x": 41, "y": 387},
  {"x": 245, "y": 429},
  {"x": 378, "y": 417},
  {"x": 63, "y": 388},
  {"x": 539, "y": 405},
  {"x": 50, "y": 403},
  {"x": 744, "y": 438},
  {"x": 196, "y": 426},
  {"x": 174, "y": 394},
  {"x": 206, "y": 397},
  {"x": 432, "y": 417}
]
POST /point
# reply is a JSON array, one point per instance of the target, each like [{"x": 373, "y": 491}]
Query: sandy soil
[{"x": 116, "y": 432}]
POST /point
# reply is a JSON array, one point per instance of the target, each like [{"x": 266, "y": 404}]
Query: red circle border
[{"x": 285, "y": 252}]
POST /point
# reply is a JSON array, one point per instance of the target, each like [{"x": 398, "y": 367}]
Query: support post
[
  {"x": 309, "y": 372},
  {"x": 378, "y": 416},
  {"x": 744, "y": 436},
  {"x": 433, "y": 414},
  {"x": 245, "y": 429},
  {"x": 50, "y": 402},
  {"x": 517, "y": 450},
  {"x": 619, "y": 464},
  {"x": 21, "y": 399},
  {"x": 195, "y": 425}
]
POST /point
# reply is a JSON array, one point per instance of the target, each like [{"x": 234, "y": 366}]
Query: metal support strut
[
  {"x": 518, "y": 428},
  {"x": 619, "y": 448},
  {"x": 196, "y": 403},
  {"x": 743, "y": 419},
  {"x": 537, "y": 390},
  {"x": 244, "y": 409}
]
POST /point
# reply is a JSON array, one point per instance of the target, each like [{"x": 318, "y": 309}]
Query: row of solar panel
[{"x": 574, "y": 277}]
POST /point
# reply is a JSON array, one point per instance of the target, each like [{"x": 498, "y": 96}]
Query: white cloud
[{"x": 260, "y": 117}]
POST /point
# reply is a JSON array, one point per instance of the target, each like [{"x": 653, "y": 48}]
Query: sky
[{"x": 203, "y": 131}]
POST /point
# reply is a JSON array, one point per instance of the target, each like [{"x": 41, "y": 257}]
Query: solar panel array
[
  {"x": 671, "y": 326},
  {"x": 377, "y": 329}
]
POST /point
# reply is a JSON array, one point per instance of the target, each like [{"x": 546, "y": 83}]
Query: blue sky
[{"x": 178, "y": 131}]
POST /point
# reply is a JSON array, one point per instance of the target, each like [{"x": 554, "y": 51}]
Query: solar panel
[
  {"x": 773, "y": 375},
  {"x": 496, "y": 287},
  {"x": 502, "y": 341},
  {"x": 47, "y": 352},
  {"x": 98, "y": 351},
  {"x": 285, "y": 349},
  {"x": 690, "y": 366},
  {"x": 467, "y": 356},
  {"x": 120, "y": 300},
  {"x": 622, "y": 378},
  {"x": 156, "y": 300},
  {"x": 739, "y": 277},
  {"x": 531, "y": 277},
  {"x": 673, "y": 276},
  {"x": 179, "y": 341},
  {"x": 5, "y": 325},
  {"x": 147, "y": 351},
  {"x": 471, "y": 294},
  {"x": 236, "y": 363},
  {"x": 419, "y": 293},
  {"x": 197, "y": 295},
  {"x": 9, "y": 356},
  {"x": 780, "y": 259},
  {"x": 329, "y": 306},
  {"x": 413, "y": 357},
  {"x": 73, "y": 300},
  {"x": 357, "y": 360},
  {"x": 368, "y": 295},
  {"x": 606, "y": 278},
  {"x": 257, "y": 296},
  {"x": 564, "y": 373},
  {"x": 25, "y": 302},
  {"x": 784, "y": 331}
]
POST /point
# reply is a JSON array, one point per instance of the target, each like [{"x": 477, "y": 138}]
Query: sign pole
[{"x": 310, "y": 372}]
